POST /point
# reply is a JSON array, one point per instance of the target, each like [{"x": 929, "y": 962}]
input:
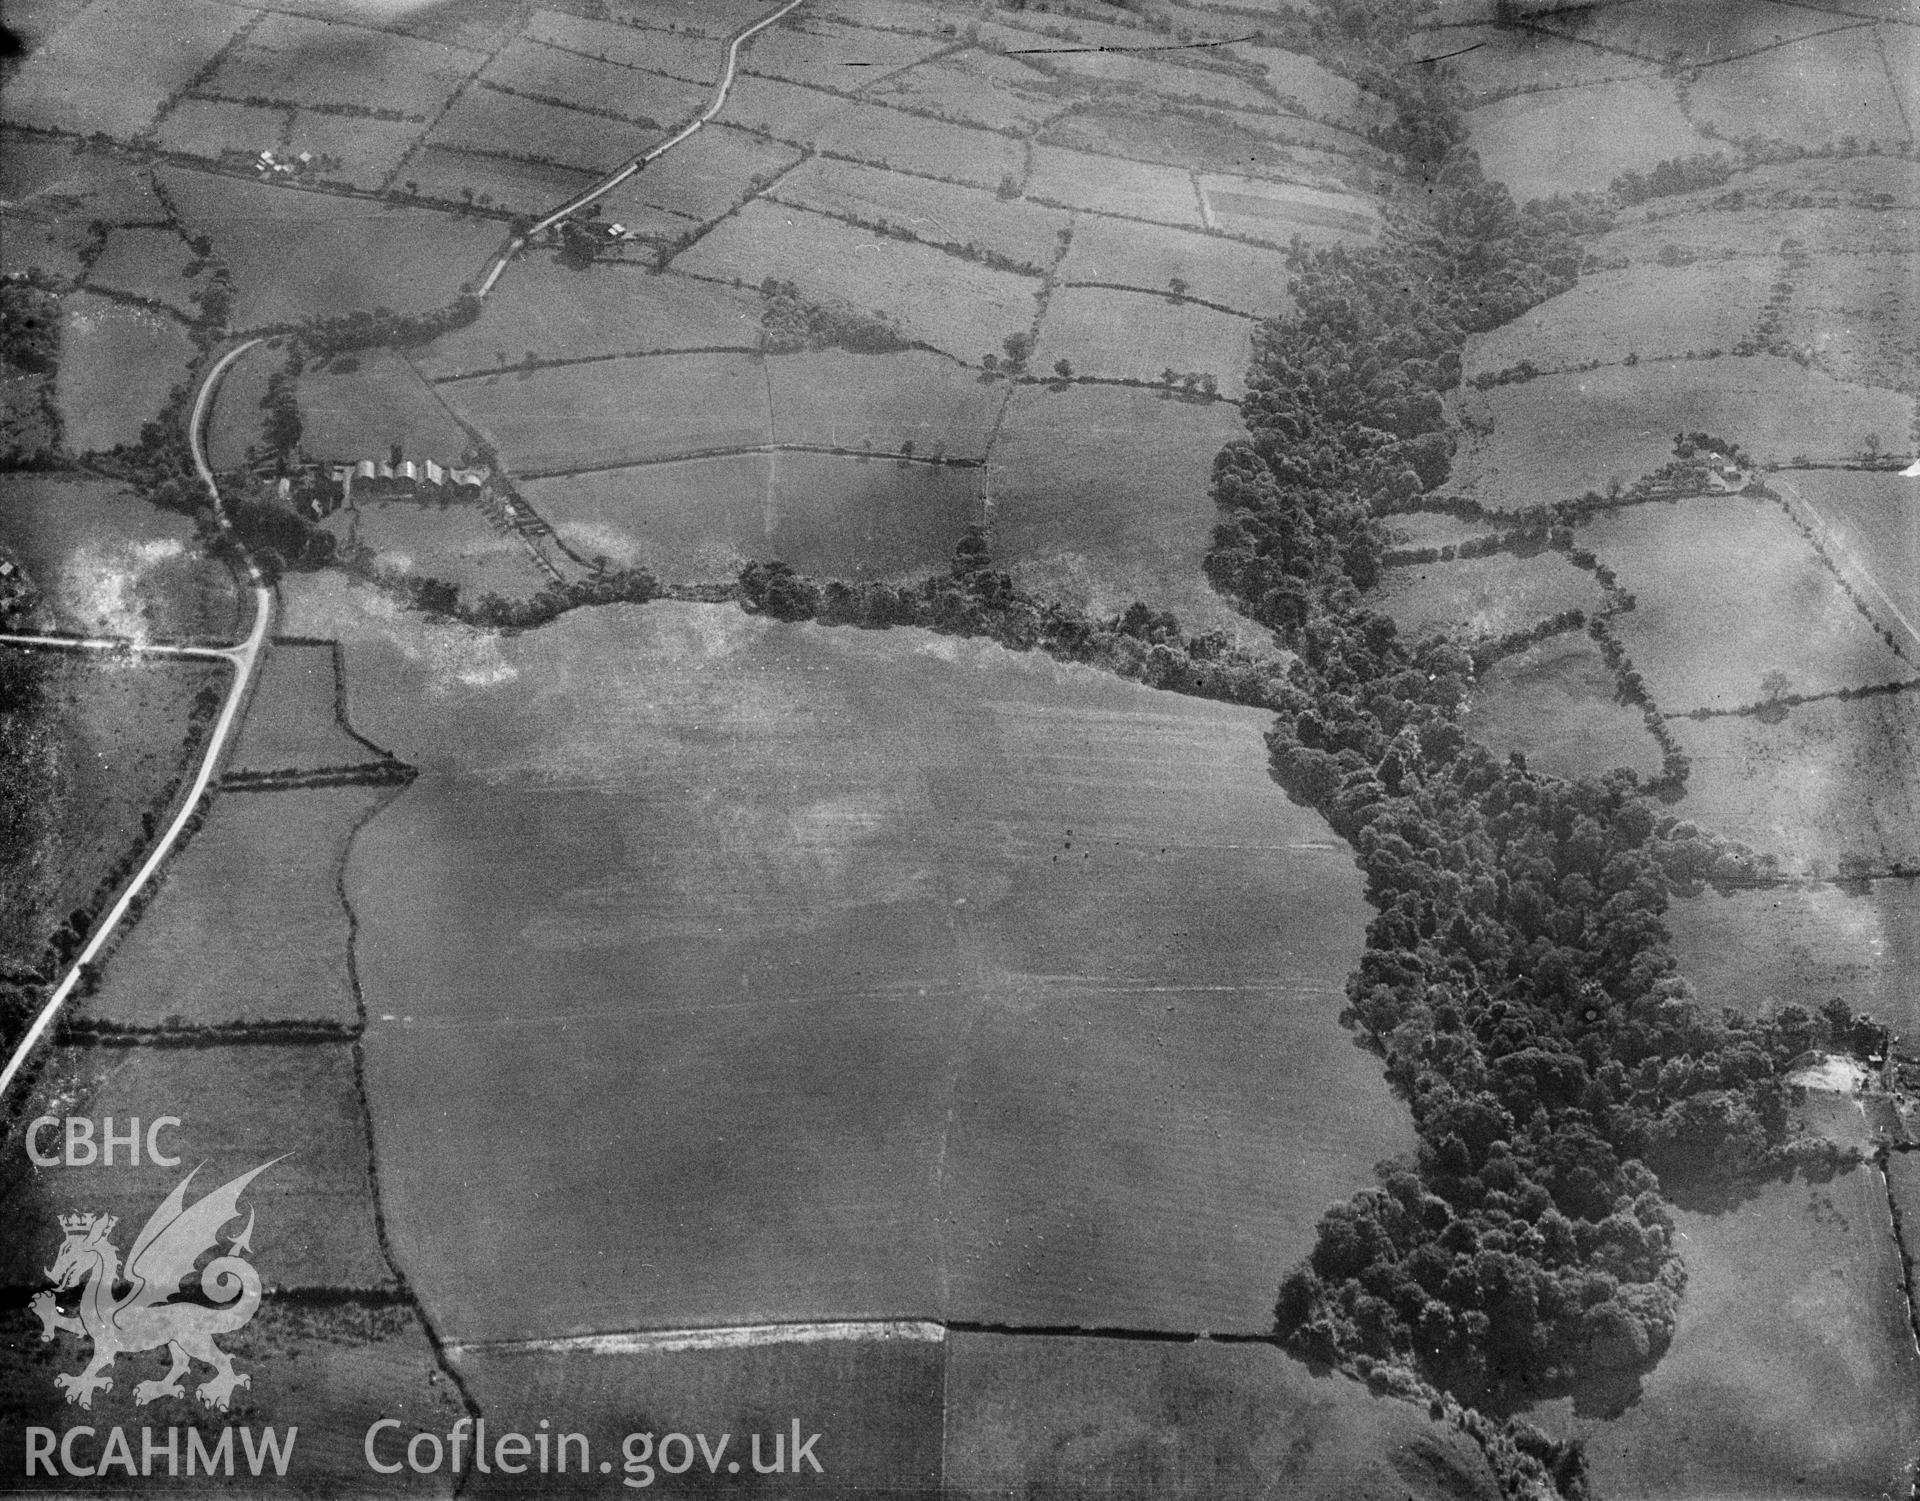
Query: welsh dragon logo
[{"x": 144, "y": 1317}]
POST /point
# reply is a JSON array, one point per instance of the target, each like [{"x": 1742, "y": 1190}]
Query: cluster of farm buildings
[{"x": 398, "y": 478}]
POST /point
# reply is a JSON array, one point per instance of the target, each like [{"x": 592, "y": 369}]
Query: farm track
[{"x": 245, "y": 658}]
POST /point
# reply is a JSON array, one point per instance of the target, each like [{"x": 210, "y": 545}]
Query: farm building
[{"x": 403, "y": 479}]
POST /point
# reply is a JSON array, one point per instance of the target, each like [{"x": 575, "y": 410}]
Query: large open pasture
[
  {"x": 1762, "y": 948},
  {"x": 358, "y": 406},
  {"x": 1152, "y": 258},
  {"x": 615, "y": 412},
  {"x": 1557, "y": 436},
  {"x": 936, "y": 212},
  {"x": 1481, "y": 598},
  {"x": 911, "y": 402},
  {"x": 355, "y": 254},
  {"x": 939, "y": 903},
  {"x": 1647, "y": 310},
  {"x": 1134, "y": 336},
  {"x": 955, "y": 305},
  {"x": 1820, "y": 790},
  {"x": 1809, "y": 95},
  {"x": 556, "y": 312},
  {"x": 298, "y": 60},
  {"x": 1792, "y": 1369},
  {"x": 106, "y": 562},
  {"x": 239, "y": 1106},
  {"x": 690, "y": 522},
  {"x": 266, "y": 863},
  {"x": 1729, "y": 591},
  {"x": 117, "y": 365},
  {"x": 1101, "y": 497},
  {"x": 1555, "y": 704},
  {"x": 1580, "y": 139},
  {"x": 149, "y": 52}
]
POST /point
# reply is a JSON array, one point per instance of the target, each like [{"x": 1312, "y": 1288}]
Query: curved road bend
[
  {"x": 620, "y": 174},
  {"x": 245, "y": 658}
]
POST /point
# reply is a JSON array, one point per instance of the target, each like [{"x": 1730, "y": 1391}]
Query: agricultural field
[
  {"x": 486, "y": 120},
  {"x": 1557, "y": 436},
  {"x": 50, "y": 245},
  {"x": 236, "y": 422},
  {"x": 357, "y": 406},
  {"x": 1580, "y": 139},
  {"x": 651, "y": 100},
  {"x": 975, "y": 88},
  {"x": 809, "y": 50},
  {"x": 710, "y": 175},
  {"x": 839, "y": 400},
  {"x": 1792, "y": 1365},
  {"x": 556, "y": 312},
  {"x": 953, "y": 153},
  {"x": 362, "y": 255},
  {"x": 1819, "y": 790},
  {"x": 1141, "y": 75},
  {"x": 1101, "y": 497},
  {"x": 570, "y": 417},
  {"x": 1270, "y": 145},
  {"x": 105, "y": 562},
  {"x": 1728, "y": 593},
  {"x": 957, "y": 306},
  {"x": 1212, "y": 269},
  {"x": 104, "y": 752},
  {"x": 293, "y": 721},
  {"x": 1136, "y": 335},
  {"x": 59, "y": 177},
  {"x": 1277, "y": 211},
  {"x": 474, "y": 24},
  {"x": 451, "y": 541},
  {"x": 210, "y": 129},
  {"x": 1481, "y": 598},
  {"x": 1508, "y": 60},
  {"x": 1679, "y": 229},
  {"x": 1705, "y": 35},
  {"x": 1871, "y": 526},
  {"x": 240, "y": 1106},
  {"x": 370, "y": 151},
  {"x": 265, "y": 861},
  {"x": 1060, "y": 1417},
  {"x": 1806, "y": 95},
  {"x": 935, "y": 212},
  {"x": 1187, "y": 944},
  {"x": 149, "y": 263},
  {"x": 294, "y": 60},
  {"x": 1431, "y": 529},
  {"x": 117, "y": 366},
  {"x": 1760, "y": 949},
  {"x": 463, "y": 177},
  {"x": 1650, "y": 311},
  {"x": 1856, "y": 317},
  {"x": 149, "y": 51},
  {"x": 688, "y": 522},
  {"x": 1555, "y": 704},
  {"x": 1316, "y": 91},
  {"x": 1111, "y": 185},
  {"x": 679, "y": 54}
]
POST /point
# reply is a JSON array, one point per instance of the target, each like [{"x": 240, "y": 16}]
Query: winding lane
[{"x": 245, "y": 658}]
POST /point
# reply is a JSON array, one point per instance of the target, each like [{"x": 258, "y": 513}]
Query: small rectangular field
[
  {"x": 1555, "y": 704},
  {"x": 211, "y": 129},
  {"x": 455, "y": 542},
  {"x": 808, "y": 49},
  {"x": 1315, "y": 90},
  {"x": 1759, "y": 949},
  {"x": 296, "y": 60},
  {"x": 976, "y": 88},
  {"x": 679, "y": 54},
  {"x": 1823, "y": 790},
  {"x": 1111, "y": 252},
  {"x": 1647, "y": 310},
  {"x": 1102, "y": 497},
  {"x": 240, "y": 1106},
  {"x": 1792, "y": 1358},
  {"x": 1560, "y": 435},
  {"x": 1810, "y": 95},
  {"x": 265, "y": 862},
  {"x": 486, "y": 120},
  {"x": 466, "y": 177},
  {"x": 555, "y": 312},
  {"x": 112, "y": 66},
  {"x": 1575, "y": 139},
  {"x": 687, "y": 522},
  {"x": 955, "y": 305},
  {"x": 609, "y": 413},
  {"x": 1481, "y": 598},
  {"x": 912, "y": 402},
  {"x": 1134, "y": 336},
  {"x": 359, "y": 405},
  {"x": 934, "y": 212},
  {"x": 701, "y": 178},
  {"x": 105, "y": 562},
  {"x": 655, "y": 101},
  {"x": 118, "y": 364},
  {"x": 1110, "y": 185},
  {"x": 1728, "y": 592},
  {"x": 1277, "y": 211},
  {"x": 293, "y": 718}
]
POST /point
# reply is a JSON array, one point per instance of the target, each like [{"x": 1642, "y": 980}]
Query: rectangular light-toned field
[
  {"x": 469, "y": 177},
  {"x": 1136, "y": 335},
  {"x": 455, "y": 542},
  {"x": 118, "y": 364},
  {"x": 976, "y": 88},
  {"x": 1277, "y": 211},
  {"x": 1483, "y": 597},
  {"x": 846, "y": 400},
  {"x": 678, "y": 53},
  {"x": 604, "y": 414},
  {"x": 654, "y": 100},
  {"x": 211, "y": 128},
  {"x": 1555, "y": 704},
  {"x": 1810, "y": 95},
  {"x": 1729, "y": 591},
  {"x": 936, "y": 212},
  {"x": 954, "y": 305},
  {"x": 1109, "y": 185},
  {"x": 485, "y": 119},
  {"x": 302, "y": 61},
  {"x": 1581, "y": 138},
  {"x": 813, "y": 50},
  {"x": 1214, "y": 269}
]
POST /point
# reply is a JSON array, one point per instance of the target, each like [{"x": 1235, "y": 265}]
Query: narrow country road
[
  {"x": 620, "y": 174},
  {"x": 245, "y": 658},
  {"x": 120, "y": 644}
]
